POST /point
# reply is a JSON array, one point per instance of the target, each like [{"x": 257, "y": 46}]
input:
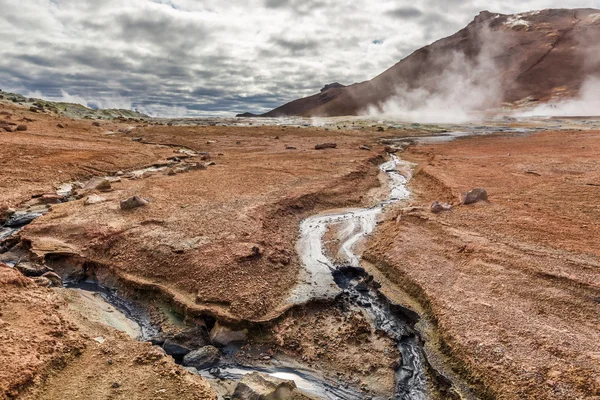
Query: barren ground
[{"x": 514, "y": 284}]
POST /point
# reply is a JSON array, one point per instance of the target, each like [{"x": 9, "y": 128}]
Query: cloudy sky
[{"x": 217, "y": 57}]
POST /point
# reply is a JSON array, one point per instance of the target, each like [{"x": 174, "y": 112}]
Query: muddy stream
[{"x": 320, "y": 279}]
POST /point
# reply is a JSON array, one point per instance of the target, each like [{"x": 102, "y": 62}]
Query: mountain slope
[{"x": 496, "y": 58}]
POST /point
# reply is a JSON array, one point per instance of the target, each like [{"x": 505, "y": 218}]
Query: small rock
[
  {"x": 222, "y": 336},
  {"x": 59, "y": 125},
  {"x": 290, "y": 148},
  {"x": 210, "y": 164},
  {"x": 95, "y": 123},
  {"x": 390, "y": 149},
  {"x": 365, "y": 147},
  {"x": 116, "y": 385},
  {"x": 21, "y": 128},
  {"x": 52, "y": 199},
  {"x": 133, "y": 202},
  {"x": 380, "y": 129},
  {"x": 437, "y": 207},
  {"x": 98, "y": 183},
  {"x": 204, "y": 357},
  {"x": 196, "y": 166},
  {"x": 54, "y": 278},
  {"x": 322, "y": 146},
  {"x": 93, "y": 199},
  {"x": 474, "y": 196}
]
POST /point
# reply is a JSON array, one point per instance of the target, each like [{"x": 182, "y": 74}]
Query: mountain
[{"x": 540, "y": 55}]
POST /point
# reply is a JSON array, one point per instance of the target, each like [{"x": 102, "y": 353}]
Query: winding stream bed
[{"x": 320, "y": 279}]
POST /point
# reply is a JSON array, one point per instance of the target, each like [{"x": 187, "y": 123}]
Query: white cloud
[{"x": 211, "y": 57}]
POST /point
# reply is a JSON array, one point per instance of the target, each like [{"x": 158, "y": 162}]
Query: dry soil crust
[{"x": 514, "y": 284}]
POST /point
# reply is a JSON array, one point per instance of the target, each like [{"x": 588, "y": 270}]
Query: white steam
[
  {"x": 456, "y": 94},
  {"x": 587, "y": 103}
]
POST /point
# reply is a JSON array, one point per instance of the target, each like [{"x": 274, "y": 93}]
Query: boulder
[
  {"x": 437, "y": 207},
  {"x": 322, "y": 146},
  {"x": 258, "y": 386},
  {"x": 133, "y": 202},
  {"x": 202, "y": 358},
  {"x": 474, "y": 196},
  {"x": 222, "y": 336}
]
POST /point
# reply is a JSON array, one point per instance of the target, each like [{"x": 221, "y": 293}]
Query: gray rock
[
  {"x": 133, "y": 202},
  {"x": 202, "y": 358},
  {"x": 177, "y": 350},
  {"x": 474, "y": 196}
]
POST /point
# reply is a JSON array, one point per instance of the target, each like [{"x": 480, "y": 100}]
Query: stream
[{"x": 320, "y": 279}]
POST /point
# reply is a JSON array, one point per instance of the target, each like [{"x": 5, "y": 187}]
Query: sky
[{"x": 186, "y": 58}]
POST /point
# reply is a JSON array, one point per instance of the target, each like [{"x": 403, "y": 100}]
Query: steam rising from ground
[
  {"x": 586, "y": 104},
  {"x": 463, "y": 87}
]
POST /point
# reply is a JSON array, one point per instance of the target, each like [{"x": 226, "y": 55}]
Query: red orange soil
[{"x": 514, "y": 284}]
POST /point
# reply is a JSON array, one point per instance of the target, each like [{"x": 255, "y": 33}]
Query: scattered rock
[
  {"x": 290, "y": 148},
  {"x": 390, "y": 149},
  {"x": 210, "y": 164},
  {"x": 437, "y": 207},
  {"x": 323, "y": 146},
  {"x": 204, "y": 357},
  {"x": 94, "y": 199},
  {"x": 258, "y": 386},
  {"x": 22, "y": 128},
  {"x": 474, "y": 196},
  {"x": 116, "y": 385},
  {"x": 59, "y": 125},
  {"x": 380, "y": 129},
  {"x": 365, "y": 147},
  {"x": 95, "y": 123},
  {"x": 222, "y": 336},
  {"x": 133, "y": 202}
]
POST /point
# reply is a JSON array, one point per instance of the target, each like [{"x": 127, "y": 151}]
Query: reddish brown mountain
[{"x": 540, "y": 54}]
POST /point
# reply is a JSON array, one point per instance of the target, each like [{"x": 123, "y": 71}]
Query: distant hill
[
  {"x": 71, "y": 110},
  {"x": 497, "y": 58}
]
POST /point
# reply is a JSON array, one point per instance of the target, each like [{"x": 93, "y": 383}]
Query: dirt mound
[{"x": 537, "y": 55}]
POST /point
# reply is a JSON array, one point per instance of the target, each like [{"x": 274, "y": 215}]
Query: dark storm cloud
[{"x": 190, "y": 57}]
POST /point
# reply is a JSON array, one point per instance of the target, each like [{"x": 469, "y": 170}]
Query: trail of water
[{"x": 316, "y": 281}]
